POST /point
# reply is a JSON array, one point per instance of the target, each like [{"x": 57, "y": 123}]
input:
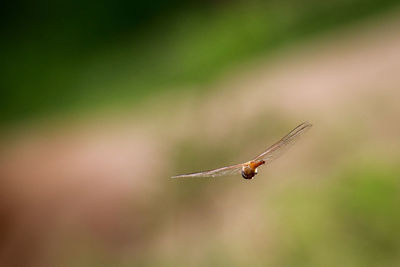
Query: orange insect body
[
  {"x": 249, "y": 169},
  {"x": 255, "y": 163}
]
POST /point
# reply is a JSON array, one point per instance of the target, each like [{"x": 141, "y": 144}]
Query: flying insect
[{"x": 250, "y": 168}]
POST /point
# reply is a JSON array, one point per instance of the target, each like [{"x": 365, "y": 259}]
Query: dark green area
[{"x": 72, "y": 56}]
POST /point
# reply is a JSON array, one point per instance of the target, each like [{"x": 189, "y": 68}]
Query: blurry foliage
[
  {"x": 64, "y": 55},
  {"x": 351, "y": 220}
]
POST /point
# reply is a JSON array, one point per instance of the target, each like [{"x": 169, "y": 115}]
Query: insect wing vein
[
  {"x": 229, "y": 170},
  {"x": 282, "y": 145}
]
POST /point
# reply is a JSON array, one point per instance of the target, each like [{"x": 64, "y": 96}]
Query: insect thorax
[{"x": 248, "y": 172}]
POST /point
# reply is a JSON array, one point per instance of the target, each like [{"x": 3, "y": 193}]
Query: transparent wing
[
  {"x": 230, "y": 170},
  {"x": 282, "y": 145}
]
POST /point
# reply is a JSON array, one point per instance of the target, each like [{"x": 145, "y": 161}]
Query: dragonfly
[{"x": 250, "y": 168}]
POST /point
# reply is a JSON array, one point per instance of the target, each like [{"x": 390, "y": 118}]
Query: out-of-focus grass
[
  {"x": 345, "y": 219},
  {"x": 51, "y": 72},
  {"x": 349, "y": 220}
]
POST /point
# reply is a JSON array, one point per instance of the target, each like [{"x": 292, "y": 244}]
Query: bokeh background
[{"x": 102, "y": 101}]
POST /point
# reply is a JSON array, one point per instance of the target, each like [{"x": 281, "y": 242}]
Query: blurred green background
[
  {"x": 58, "y": 57},
  {"x": 102, "y": 101}
]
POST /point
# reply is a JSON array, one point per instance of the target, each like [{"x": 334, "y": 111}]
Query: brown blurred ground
[{"x": 101, "y": 186}]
